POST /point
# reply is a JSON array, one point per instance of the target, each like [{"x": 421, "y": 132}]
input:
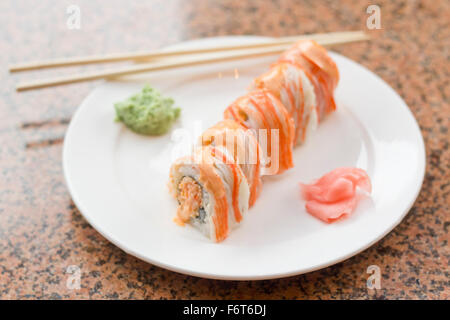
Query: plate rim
[{"x": 120, "y": 245}]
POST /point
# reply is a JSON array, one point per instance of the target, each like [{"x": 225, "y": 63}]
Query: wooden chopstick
[
  {"x": 176, "y": 62},
  {"x": 148, "y": 55}
]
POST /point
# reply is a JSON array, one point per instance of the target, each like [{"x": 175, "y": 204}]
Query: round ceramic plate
[{"x": 118, "y": 179}]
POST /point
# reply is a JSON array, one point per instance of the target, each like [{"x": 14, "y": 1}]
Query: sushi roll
[
  {"x": 290, "y": 84},
  {"x": 242, "y": 145},
  {"x": 320, "y": 69},
  {"x": 216, "y": 185},
  {"x": 263, "y": 112},
  {"x": 211, "y": 190}
]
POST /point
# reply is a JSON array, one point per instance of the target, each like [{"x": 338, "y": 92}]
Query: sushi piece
[
  {"x": 211, "y": 190},
  {"x": 290, "y": 84},
  {"x": 263, "y": 112},
  {"x": 242, "y": 145},
  {"x": 320, "y": 69}
]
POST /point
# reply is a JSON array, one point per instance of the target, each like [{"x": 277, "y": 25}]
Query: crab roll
[
  {"x": 242, "y": 145},
  {"x": 290, "y": 84},
  {"x": 320, "y": 69},
  {"x": 263, "y": 112},
  {"x": 211, "y": 190}
]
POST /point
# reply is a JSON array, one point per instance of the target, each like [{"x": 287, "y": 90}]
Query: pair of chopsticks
[{"x": 169, "y": 59}]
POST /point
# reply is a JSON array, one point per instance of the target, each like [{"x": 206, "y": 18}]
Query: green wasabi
[{"x": 147, "y": 112}]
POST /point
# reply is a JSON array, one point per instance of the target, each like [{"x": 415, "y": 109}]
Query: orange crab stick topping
[
  {"x": 236, "y": 180},
  {"x": 281, "y": 120},
  {"x": 263, "y": 110},
  {"x": 276, "y": 80},
  {"x": 320, "y": 70},
  {"x": 212, "y": 182},
  {"x": 319, "y": 56},
  {"x": 241, "y": 144}
]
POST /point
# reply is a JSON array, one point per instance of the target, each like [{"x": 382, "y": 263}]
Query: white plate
[{"x": 118, "y": 179}]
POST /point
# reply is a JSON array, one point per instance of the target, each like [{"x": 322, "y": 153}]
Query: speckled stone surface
[{"x": 42, "y": 232}]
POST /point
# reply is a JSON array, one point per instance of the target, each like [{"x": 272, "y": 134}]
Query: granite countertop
[{"x": 41, "y": 230}]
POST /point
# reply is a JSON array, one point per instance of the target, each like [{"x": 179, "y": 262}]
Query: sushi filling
[{"x": 190, "y": 200}]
